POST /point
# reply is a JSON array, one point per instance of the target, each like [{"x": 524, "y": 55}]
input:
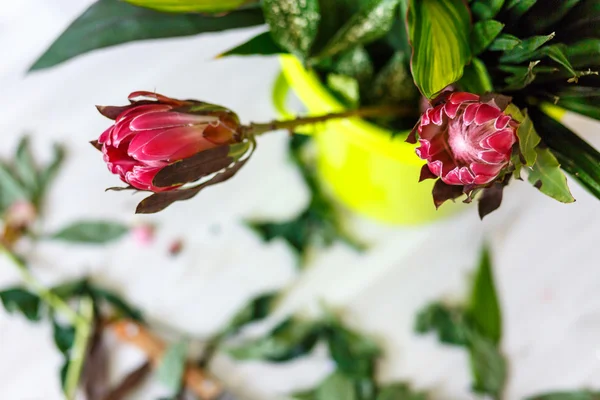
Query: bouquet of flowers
[{"x": 480, "y": 85}]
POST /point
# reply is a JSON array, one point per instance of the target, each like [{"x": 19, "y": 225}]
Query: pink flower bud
[
  {"x": 143, "y": 234},
  {"x": 155, "y": 131},
  {"x": 20, "y": 215},
  {"x": 466, "y": 141}
]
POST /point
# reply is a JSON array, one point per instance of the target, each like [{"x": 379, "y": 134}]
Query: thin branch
[{"x": 83, "y": 330}]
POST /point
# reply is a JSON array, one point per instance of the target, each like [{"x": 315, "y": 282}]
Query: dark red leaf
[
  {"x": 426, "y": 174},
  {"x": 112, "y": 112},
  {"x": 193, "y": 168},
  {"x": 159, "y": 201},
  {"x": 490, "y": 199},
  {"x": 95, "y": 372},
  {"x": 96, "y": 145},
  {"x": 412, "y": 136},
  {"x": 499, "y": 99},
  {"x": 131, "y": 381},
  {"x": 119, "y": 188},
  {"x": 443, "y": 192}
]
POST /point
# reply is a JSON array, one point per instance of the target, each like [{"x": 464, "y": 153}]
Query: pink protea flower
[
  {"x": 466, "y": 141},
  {"x": 155, "y": 131}
]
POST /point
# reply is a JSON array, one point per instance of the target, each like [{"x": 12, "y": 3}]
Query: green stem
[
  {"x": 54, "y": 301},
  {"x": 83, "y": 330},
  {"x": 379, "y": 111}
]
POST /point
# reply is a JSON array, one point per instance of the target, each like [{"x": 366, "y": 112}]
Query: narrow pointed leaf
[
  {"x": 439, "y": 35},
  {"x": 23, "y": 301},
  {"x": 486, "y": 9},
  {"x": 476, "y": 78},
  {"x": 504, "y": 42},
  {"x": 336, "y": 386},
  {"x": 483, "y": 34},
  {"x": 171, "y": 368},
  {"x": 185, "y": 6},
  {"x": 112, "y": 22},
  {"x": 524, "y": 50},
  {"x": 91, "y": 232},
  {"x": 488, "y": 367},
  {"x": 528, "y": 140},
  {"x": 565, "y": 395},
  {"x": 262, "y": 44}
]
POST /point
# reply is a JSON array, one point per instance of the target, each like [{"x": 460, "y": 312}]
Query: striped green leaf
[
  {"x": 439, "y": 35},
  {"x": 184, "y": 6}
]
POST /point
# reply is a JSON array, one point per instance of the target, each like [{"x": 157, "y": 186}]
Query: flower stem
[
  {"x": 83, "y": 330},
  {"x": 379, "y": 111},
  {"x": 53, "y": 301}
]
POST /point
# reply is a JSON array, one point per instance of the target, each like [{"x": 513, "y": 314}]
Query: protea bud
[
  {"x": 466, "y": 141},
  {"x": 155, "y": 131}
]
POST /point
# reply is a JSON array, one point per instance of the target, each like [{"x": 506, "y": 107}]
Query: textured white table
[{"x": 545, "y": 252}]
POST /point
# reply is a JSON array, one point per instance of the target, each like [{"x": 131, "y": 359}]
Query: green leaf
[
  {"x": 50, "y": 171},
  {"x": 439, "y": 35},
  {"x": 355, "y": 63},
  {"x": 483, "y": 34},
  {"x": 486, "y": 9},
  {"x": 504, "y": 42},
  {"x": 525, "y": 50},
  {"x": 548, "y": 178},
  {"x": 574, "y": 395},
  {"x": 185, "y": 6},
  {"x": 488, "y": 367},
  {"x": 25, "y": 166},
  {"x": 353, "y": 353},
  {"x": 576, "y": 157},
  {"x": 373, "y": 21},
  {"x": 393, "y": 84},
  {"x": 484, "y": 308},
  {"x": 586, "y": 106},
  {"x": 11, "y": 189},
  {"x": 91, "y": 232},
  {"x": 112, "y": 22},
  {"x": 345, "y": 87},
  {"x": 172, "y": 366},
  {"x": 257, "y": 309},
  {"x": 290, "y": 339},
  {"x": 336, "y": 386},
  {"x": 541, "y": 18},
  {"x": 262, "y": 44},
  {"x": 557, "y": 53},
  {"x": 399, "y": 391},
  {"x": 528, "y": 140},
  {"x": 19, "y": 299},
  {"x": 584, "y": 53},
  {"x": 122, "y": 307},
  {"x": 450, "y": 324},
  {"x": 517, "y": 8},
  {"x": 476, "y": 78},
  {"x": 521, "y": 76},
  {"x": 293, "y": 24},
  {"x": 64, "y": 336},
  {"x": 305, "y": 395}
]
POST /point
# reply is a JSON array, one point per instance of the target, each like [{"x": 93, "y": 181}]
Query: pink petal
[
  {"x": 502, "y": 121},
  {"x": 483, "y": 179},
  {"x": 423, "y": 150},
  {"x": 435, "y": 167},
  {"x": 430, "y": 131},
  {"x": 501, "y": 141},
  {"x": 436, "y": 115},
  {"x": 166, "y": 119},
  {"x": 466, "y": 176},
  {"x": 142, "y": 109},
  {"x": 117, "y": 160},
  {"x": 486, "y": 169},
  {"x": 220, "y": 133},
  {"x": 486, "y": 113},
  {"x": 425, "y": 120},
  {"x": 452, "y": 177},
  {"x": 105, "y": 136},
  {"x": 492, "y": 157},
  {"x": 451, "y": 109},
  {"x": 168, "y": 145},
  {"x": 460, "y": 97},
  {"x": 470, "y": 112}
]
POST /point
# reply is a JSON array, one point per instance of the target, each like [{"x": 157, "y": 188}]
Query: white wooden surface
[{"x": 545, "y": 252}]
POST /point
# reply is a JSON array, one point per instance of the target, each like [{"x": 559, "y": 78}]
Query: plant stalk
[
  {"x": 379, "y": 111},
  {"x": 83, "y": 330}
]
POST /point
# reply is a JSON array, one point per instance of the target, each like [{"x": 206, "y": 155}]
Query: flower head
[
  {"x": 465, "y": 140},
  {"x": 155, "y": 131}
]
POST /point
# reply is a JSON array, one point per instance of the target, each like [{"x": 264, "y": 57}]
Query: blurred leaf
[
  {"x": 172, "y": 366},
  {"x": 130, "y": 382},
  {"x": 113, "y": 22},
  {"x": 486, "y": 9},
  {"x": 95, "y": 371},
  {"x": 450, "y": 324},
  {"x": 504, "y": 42},
  {"x": 491, "y": 198},
  {"x": 488, "y": 367},
  {"x": 257, "y": 309},
  {"x": 355, "y": 63},
  {"x": 557, "y": 53},
  {"x": 393, "y": 83},
  {"x": 262, "y": 44},
  {"x": 184, "y": 6},
  {"x": 584, "y": 54},
  {"x": 64, "y": 336},
  {"x": 91, "y": 232},
  {"x": 70, "y": 289},
  {"x": 521, "y": 76},
  {"x": 305, "y": 395},
  {"x": 47, "y": 175},
  {"x": 578, "y": 158},
  {"x": 20, "y": 300},
  {"x": 586, "y": 106},
  {"x": 122, "y": 308},
  {"x": 372, "y": 21},
  {"x": 353, "y": 353},
  {"x": 476, "y": 78},
  {"x": 345, "y": 87},
  {"x": 484, "y": 308},
  {"x": 581, "y": 21},
  {"x": 543, "y": 16},
  {"x": 574, "y": 395},
  {"x": 528, "y": 140},
  {"x": 517, "y": 8},
  {"x": 25, "y": 166},
  {"x": 438, "y": 32},
  {"x": 336, "y": 386},
  {"x": 10, "y": 187},
  {"x": 548, "y": 178},
  {"x": 290, "y": 339},
  {"x": 399, "y": 391},
  {"x": 293, "y": 24},
  {"x": 483, "y": 34},
  {"x": 525, "y": 50}
]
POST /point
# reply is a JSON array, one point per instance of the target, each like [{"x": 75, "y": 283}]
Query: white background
[{"x": 545, "y": 252}]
